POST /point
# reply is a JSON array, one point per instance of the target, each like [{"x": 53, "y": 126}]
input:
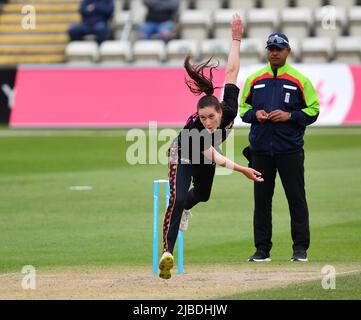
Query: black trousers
[
  {"x": 180, "y": 177},
  {"x": 291, "y": 170}
]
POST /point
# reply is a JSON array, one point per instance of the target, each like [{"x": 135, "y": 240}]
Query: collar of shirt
[{"x": 280, "y": 71}]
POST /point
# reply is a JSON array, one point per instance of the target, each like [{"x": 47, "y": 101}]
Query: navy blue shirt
[{"x": 194, "y": 129}]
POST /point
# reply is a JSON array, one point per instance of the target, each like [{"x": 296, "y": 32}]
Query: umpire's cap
[{"x": 279, "y": 40}]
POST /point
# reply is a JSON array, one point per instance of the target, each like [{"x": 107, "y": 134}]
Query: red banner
[
  {"x": 102, "y": 97},
  {"x": 132, "y": 97},
  {"x": 354, "y": 114}
]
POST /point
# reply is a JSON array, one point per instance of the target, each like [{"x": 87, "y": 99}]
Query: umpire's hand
[
  {"x": 261, "y": 116},
  {"x": 279, "y": 116}
]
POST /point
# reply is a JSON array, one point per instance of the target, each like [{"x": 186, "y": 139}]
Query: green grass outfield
[
  {"x": 46, "y": 224},
  {"x": 347, "y": 287}
]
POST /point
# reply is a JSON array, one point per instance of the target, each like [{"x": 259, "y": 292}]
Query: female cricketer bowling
[{"x": 212, "y": 120}]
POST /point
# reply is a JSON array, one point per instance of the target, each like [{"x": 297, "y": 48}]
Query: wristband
[{"x": 237, "y": 39}]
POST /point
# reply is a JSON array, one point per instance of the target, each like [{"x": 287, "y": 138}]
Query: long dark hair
[{"x": 200, "y": 83}]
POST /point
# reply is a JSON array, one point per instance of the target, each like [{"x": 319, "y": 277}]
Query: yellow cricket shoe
[{"x": 165, "y": 265}]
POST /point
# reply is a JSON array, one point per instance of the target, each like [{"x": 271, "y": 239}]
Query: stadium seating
[
  {"x": 208, "y": 4},
  {"x": 296, "y": 22},
  {"x": 138, "y": 10},
  {"x": 184, "y": 5},
  {"x": 122, "y": 24},
  {"x": 316, "y": 50},
  {"x": 149, "y": 52},
  {"x": 217, "y": 48},
  {"x": 279, "y": 4},
  {"x": 330, "y": 21},
  {"x": 295, "y": 55},
  {"x": 82, "y": 52},
  {"x": 242, "y": 4},
  {"x": 195, "y": 24},
  {"x": 252, "y": 51},
  {"x": 354, "y": 15},
  {"x": 222, "y": 18},
  {"x": 309, "y": 3},
  {"x": 20, "y": 43},
  {"x": 342, "y": 3},
  {"x": 348, "y": 50},
  {"x": 262, "y": 22},
  {"x": 204, "y": 22},
  {"x": 119, "y": 52},
  {"x": 178, "y": 49}
]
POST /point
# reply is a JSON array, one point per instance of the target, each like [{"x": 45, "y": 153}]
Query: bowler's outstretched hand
[{"x": 253, "y": 175}]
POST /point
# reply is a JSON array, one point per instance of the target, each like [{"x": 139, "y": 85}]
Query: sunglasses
[{"x": 275, "y": 39}]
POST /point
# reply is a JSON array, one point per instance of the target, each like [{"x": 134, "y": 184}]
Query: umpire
[{"x": 279, "y": 102}]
